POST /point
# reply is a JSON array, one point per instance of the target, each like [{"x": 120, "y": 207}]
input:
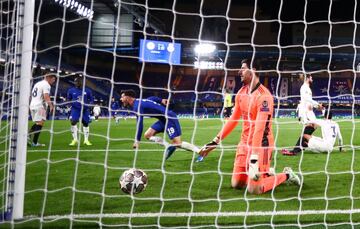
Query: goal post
[
  {"x": 21, "y": 84},
  {"x": 27, "y": 30}
]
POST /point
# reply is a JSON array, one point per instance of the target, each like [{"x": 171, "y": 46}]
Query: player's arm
[
  {"x": 229, "y": 126},
  {"x": 46, "y": 94},
  {"x": 339, "y": 137},
  {"x": 139, "y": 124},
  {"x": 139, "y": 130},
  {"x": 306, "y": 96},
  {"x": 264, "y": 110},
  {"x": 68, "y": 98},
  {"x": 158, "y": 100},
  {"x": 155, "y": 99}
]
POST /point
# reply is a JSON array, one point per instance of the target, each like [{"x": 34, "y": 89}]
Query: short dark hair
[
  {"x": 129, "y": 92},
  {"x": 328, "y": 114},
  {"x": 78, "y": 78},
  {"x": 50, "y": 74},
  {"x": 249, "y": 63}
]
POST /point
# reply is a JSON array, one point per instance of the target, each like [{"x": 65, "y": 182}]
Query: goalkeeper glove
[
  {"x": 254, "y": 167},
  {"x": 206, "y": 149}
]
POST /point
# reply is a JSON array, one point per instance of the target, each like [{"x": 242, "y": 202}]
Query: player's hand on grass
[
  {"x": 206, "y": 149},
  {"x": 136, "y": 145}
]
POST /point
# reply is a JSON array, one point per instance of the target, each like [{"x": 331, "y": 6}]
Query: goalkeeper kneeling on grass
[{"x": 255, "y": 105}]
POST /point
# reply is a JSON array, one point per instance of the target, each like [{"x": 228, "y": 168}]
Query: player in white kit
[
  {"x": 96, "y": 111},
  {"x": 305, "y": 113},
  {"x": 330, "y": 130},
  {"x": 40, "y": 101}
]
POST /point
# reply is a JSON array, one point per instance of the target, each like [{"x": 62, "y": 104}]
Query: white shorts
[
  {"x": 306, "y": 116},
  {"x": 96, "y": 114},
  {"x": 319, "y": 145},
  {"x": 38, "y": 114}
]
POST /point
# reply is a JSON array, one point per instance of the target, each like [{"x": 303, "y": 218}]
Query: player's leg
[
  {"x": 157, "y": 127},
  {"x": 308, "y": 130},
  {"x": 268, "y": 182},
  {"x": 173, "y": 130},
  {"x": 74, "y": 119},
  {"x": 86, "y": 128},
  {"x": 39, "y": 117},
  {"x": 184, "y": 145},
  {"x": 306, "y": 116},
  {"x": 239, "y": 177},
  {"x": 37, "y": 130},
  {"x": 319, "y": 145}
]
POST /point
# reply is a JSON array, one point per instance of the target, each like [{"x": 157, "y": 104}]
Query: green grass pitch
[{"x": 61, "y": 180}]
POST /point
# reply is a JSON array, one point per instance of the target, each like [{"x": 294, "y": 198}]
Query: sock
[
  {"x": 308, "y": 130},
  {"x": 37, "y": 130},
  {"x": 297, "y": 148},
  {"x": 74, "y": 130},
  {"x": 189, "y": 147},
  {"x": 32, "y": 130},
  {"x": 86, "y": 133},
  {"x": 159, "y": 140}
]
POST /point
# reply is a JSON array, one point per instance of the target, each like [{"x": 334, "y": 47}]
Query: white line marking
[{"x": 197, "y": 214}]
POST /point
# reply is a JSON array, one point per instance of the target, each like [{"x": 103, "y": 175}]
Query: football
[{"x": 133, "y": 181}]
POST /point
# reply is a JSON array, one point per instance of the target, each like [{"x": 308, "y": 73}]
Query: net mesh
[{"x": 79, "y": 186}]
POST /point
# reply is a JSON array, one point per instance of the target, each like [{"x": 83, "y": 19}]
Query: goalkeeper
[
  {"x": 154, "y": 107},
  {"x": 254, "y": 103}
]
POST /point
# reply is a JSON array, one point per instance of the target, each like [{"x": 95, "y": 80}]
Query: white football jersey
[
  {"x": 306, "y": 98},
  {"x": 37, "y": 94},
  {"x": 330, "y": 131}
]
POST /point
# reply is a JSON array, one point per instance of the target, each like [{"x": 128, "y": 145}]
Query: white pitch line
[{"x": 197, "y": 214}]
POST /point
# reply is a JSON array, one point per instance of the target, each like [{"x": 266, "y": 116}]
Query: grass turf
[{"x": 61, "y": 180}]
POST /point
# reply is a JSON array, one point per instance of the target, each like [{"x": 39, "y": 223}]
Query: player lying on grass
[
  {"x": 305, "y": 113},
  {"x": 155, "y": 107},
  {"x": 255, "y": 105},
  {"x": 330, "y": 130}
]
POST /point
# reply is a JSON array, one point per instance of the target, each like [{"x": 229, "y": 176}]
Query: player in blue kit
[
  {"x": 155, "y": 107},
  {"x": 80, "y": 99},
  {"x": 114, "y": 107}
]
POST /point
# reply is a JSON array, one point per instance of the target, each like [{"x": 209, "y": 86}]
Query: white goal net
[{"x": 189, "y": 53}]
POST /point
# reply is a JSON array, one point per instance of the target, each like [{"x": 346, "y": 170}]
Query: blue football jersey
[
  {"x": 150, "y": 107},
  {"x": 75, "y": 95}
]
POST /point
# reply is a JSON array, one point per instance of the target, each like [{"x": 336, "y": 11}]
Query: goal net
[{"x": 190, "y": 53}]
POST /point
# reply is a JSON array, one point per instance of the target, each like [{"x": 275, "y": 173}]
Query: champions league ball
[{"x": 133, "y": 181}]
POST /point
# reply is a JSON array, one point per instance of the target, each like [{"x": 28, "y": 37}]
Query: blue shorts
[
  {"x": 173, "y": 128},
  {"x": 75, "y": 115}
]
